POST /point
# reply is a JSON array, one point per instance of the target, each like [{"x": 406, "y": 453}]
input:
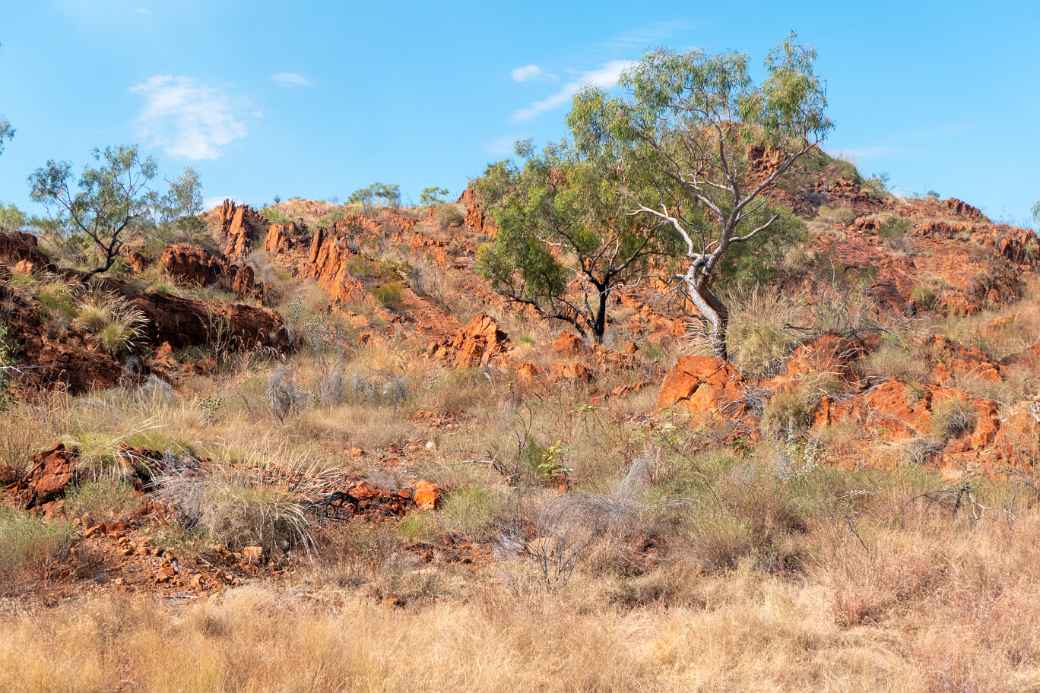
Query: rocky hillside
[{"x": 326, "y": 410}]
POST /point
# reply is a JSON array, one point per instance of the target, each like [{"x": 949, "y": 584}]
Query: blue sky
[{"x": 269, "y": 98}]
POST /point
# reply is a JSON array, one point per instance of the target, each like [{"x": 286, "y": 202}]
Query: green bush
[
  {"x": 57, "y": 299},
  {"x": 103, "y": 497},
  {"x": 894, "y": 228},
  {"x": 114, "y": 321},
  {"x": 449, "y": 215},
  {"x": 837, "y": 215},
  {"x": 29, "y": 543},
  {"x": 924, "y": 297},
  {"x": 389, "y": 295}
]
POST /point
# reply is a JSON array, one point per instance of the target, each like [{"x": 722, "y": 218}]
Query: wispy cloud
[
  {"x": 604, "y": 77},
  {"x": 185, "y": 118},
  {"x": 646, "y": 36},
  {"x": 526, "y": 73},
  {"x": 290, "y": 79}
]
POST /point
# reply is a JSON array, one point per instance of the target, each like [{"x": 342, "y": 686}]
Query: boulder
[
  {"x": 192, "y": 264},
  {"x": 706, "y": 386},
  {"x": 568, "y": 344},
  {"x": 18, "y": 247},
  {"x": 426, "y": 495},
  {"x": 474, "y": 345},
  {"x": 51, "y": 474}
]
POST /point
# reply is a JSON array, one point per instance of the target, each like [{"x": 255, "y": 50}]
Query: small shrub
[
  {"x": 789, "y": 412},
  {"x": 236, "y": 510},
  {"x": 759, "y": 335},
  {"x": 895, "y": 360},
  {"x": 924, "y": 297},
  {"x": 115, "y": 322},
  {"x": 389, "y": 295},
  {"x": 921, "y": 450},
  {"x": 894, "y": 228},
  {"x": 449, "y": 215},
  {"x": 545, "y": 462},
  {"x": 30, "y": 544},
  {"x": 58, "y": 300},
  {"x": 837, "y": 215},
  {"x": 952, "y": 418},
  {"x": 392, "y": 391},
  {"x": 283, "y": 397},
  {"x": 102, "y": 497}
]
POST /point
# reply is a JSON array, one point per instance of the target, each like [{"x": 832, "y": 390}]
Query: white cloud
[
  {"x": 186, "y": 118},
  {"x": 647, "y": 36},
  {"x": 525, "y": 73},
  {"x": 604, "y": 77},
  {"x": 290, "y": 79}
]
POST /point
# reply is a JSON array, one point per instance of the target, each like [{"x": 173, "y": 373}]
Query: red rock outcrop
[
  {"x": 192, "y": 264},
  {"x": 52, "y": 472},
  {"x": 476, "y": 216},
  {"x": 476, "y": 344},
  {"x": 20, "y": 247},
  {"x": 185, "y": 322},
  {"x": 240, "y": 229},
  {"x": 707, "y": 387}
]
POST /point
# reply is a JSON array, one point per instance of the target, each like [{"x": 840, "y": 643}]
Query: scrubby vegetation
[{"x": 501, "y": 445}]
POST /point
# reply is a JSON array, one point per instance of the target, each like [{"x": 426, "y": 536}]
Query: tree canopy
[
  {"x": 113, "y": 201},
  {"x": 700, "y": 144},
  {"x": 562, "y": 218}
]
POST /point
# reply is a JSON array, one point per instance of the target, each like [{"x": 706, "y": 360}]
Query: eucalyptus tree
[
  {"x": 110, "y": 201},
  {"x": 565, "y": 241},
  {"x": 701, "y": 145}
]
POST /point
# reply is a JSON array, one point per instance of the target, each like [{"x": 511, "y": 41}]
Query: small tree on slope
[
  {"x": 112, "y": 201},
  {"x": 687, "y": 133},
  {"x": 565, "y": 241}
]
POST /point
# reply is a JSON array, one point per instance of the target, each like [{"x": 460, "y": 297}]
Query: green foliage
[
  {"x": 562, "y": 215},
  {"x": 433, "y": 195},
  {"x": 275, "y": 215},
  {"x": 11, "y": 219},
  {"x": 924, "y": 297},
  {"x": 384, "y": 194},
  {"x": 389, "y": 295},
  {"x": 545, "y": 462},
  {"x": 894, "y": 228},
  {"x": 29, "y": 543},
  {"x": 877, "y": 184},
  {"x": 111, "y": 202},
  {"x": 102, "y": 497},
  {"x": 114, "y": 321},
  {"x": 689, "y": 133},
  {"x": 836, "y": 215},
  {"x": 179, "y": 209},
  {"x": 469, "y": 511},
  {"x": 448, "y": 215},
  {"x": 58, "y": 300},
  {"x": 1036, "y": 212},
  {"x": 6, "y": 133},
  {"x": 759, "y": 260}
]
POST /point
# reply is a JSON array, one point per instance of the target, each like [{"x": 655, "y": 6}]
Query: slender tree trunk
[
  {"x": 599, "y": 326},
  {"x": 714, "y": 311}
]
